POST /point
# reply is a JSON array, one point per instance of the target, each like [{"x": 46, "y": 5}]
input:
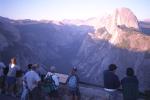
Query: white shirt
[
  {"x": 110, "y": 90},
  {"x": 32, "y": 79},
  {"x": 12, "y": 70},
  {"x": 54, "y": 77}
]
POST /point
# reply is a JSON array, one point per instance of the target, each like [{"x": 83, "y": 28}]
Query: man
[
  {"x": 25, "y": 91},
  {"x": 54, "y": 76},
  {"x": 32, "y": 80},
  {"x": 111, "y": 81},
  {"x": 53, "y": 83},
  {"x": 130, "y": 85}
]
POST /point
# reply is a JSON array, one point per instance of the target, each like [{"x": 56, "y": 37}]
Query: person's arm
[
  {"x": 77, "y": 81},
  {"x": 37, "y": 79},
  {"x": 48, "y": 74},
  {"x": 67, "y": 80},
  {"x": 117, "y": 81},
  {"x": 121, "y": 84}
]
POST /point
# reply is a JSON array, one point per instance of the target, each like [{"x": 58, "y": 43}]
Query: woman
[
  {"x": 11, "y": 76},
  {"x": 130, "y": 85}
]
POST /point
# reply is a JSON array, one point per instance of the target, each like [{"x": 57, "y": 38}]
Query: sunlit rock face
[
  {"x": 119, "y": 40},
  {"x": 125, "y": 16}
]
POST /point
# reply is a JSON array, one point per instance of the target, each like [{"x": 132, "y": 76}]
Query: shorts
[
  {"x": 11, "y": 80},
  {"x": 74, "y": 92}
]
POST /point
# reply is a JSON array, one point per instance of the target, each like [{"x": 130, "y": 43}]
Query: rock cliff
[{"x": 119, "y": 40}]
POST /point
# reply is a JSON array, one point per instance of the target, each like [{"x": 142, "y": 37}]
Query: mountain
[
  {"x": 43, "y": 42},
  {"x": 90, "y": 44},
  {"x": 118, "y": 39}
]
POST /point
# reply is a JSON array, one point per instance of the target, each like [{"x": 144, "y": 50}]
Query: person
[
  {"x": 73, "y": 84},
  {"x": 32, "y": 80},
  {"x": 11, "y": 76},
  {"x": 111, "y": 81},
  {"x": 54, "y": 84},
  {"x": 25, "y": 92},
  {"x": 2, "y": 81},
  {"x": 130, "y": 85}
]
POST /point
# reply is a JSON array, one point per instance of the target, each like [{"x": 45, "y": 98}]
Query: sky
[{"x": 69, "y": 9}]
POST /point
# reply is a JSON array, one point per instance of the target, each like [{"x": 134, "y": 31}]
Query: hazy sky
[{"x": 69, "y": 9}]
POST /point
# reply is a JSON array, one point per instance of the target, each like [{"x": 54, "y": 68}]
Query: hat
[
  {"x": 53, "y": 69},
  {"x": 35, "y": 65}
]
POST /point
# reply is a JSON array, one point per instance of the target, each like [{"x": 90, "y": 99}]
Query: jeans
[{"x": 25, "y": 94}]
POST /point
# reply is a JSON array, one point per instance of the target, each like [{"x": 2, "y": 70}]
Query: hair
[
  {"x": 74, "y": 70},
  {"x": 29, "y": 66},
  {"x": 13, "y": 60},
  {"x": 130, "y": 72},
  {"x": 112, "y": 67}
]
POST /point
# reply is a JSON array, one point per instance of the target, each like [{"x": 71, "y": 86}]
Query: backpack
[
  {"x": 49, "y": 85},
  {"x": 72, "y": 82}
]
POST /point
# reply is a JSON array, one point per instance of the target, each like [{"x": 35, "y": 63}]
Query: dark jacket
[
  {"x": 111, "y": 81},
  {"x": 130, "y": 88}
]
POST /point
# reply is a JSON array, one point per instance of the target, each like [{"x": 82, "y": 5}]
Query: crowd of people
[{"x": 30, "y": 85}]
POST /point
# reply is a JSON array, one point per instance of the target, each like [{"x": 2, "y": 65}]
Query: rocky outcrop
[
  {"x": 119, "y": 40},
  {"x": 125, "y": 16}
]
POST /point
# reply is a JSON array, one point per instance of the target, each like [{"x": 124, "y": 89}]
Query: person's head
[
  {"x": 29, "y": 66},
  {"x": 13, "y": 60},
  {"x": 130, "y": 72},
  {"x": 53, "y": 69},
  {"x": 34, "y": 66},
  {"x": 112, "y": 67},
  {"x": 74, "y": 70}
]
